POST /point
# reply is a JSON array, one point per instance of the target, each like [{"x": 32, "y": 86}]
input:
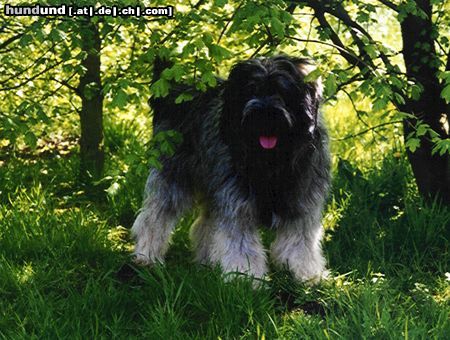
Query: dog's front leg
[
  {"x": 151, "y": 231},
  {"x": 237, "y": 248},
  {"x": 161, "y": 210},
  {"x": 298, "y": 247}
]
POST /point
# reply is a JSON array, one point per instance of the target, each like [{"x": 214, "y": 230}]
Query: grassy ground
[{"x": 62, "y": 257}]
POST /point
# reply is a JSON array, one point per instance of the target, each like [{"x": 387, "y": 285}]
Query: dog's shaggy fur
[{"x": 254, "y": 153}]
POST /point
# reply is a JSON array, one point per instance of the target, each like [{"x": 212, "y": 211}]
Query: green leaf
[
  {"x": 25, "y": 40},
  {"x": 120, "y": 99},
  {"x": 166, "y": 148},
  {"x": 330, "y": 85},
  {"x": 220, "y": 3},
  {"x": 56, "y": 35},
  {"x": 178, "y": 72},
  {"x": 209, "y": 79},
  {"x": 379, "y": 104},
  {"x": 30, "y": 139},
  {"x": 66, "y": 54},
  {"x": 402, "y": 115},
  {"x": 445, "y": 94},
  {"x": 147, "y": 56},
  {"x": 277, "y": 27},
  {"x": 412, "y": 144},
  {"x": 371, "y": 51},
  {"x": 154, "y": 163},
  {"x": 207, "y": 38},
  {"x": 313, "y": 75},
  {"x": 363, "y": 17},
  {"x": 442, "y": 146},
  {"x": 91, "y": 90},
  {"x": 399, "y": 98},
  {"x": 175, "y": 72},
  {"x": 184, "y": 97},
  {"x": 422, "y": 129},
  {"x": 416, "y": 91},
  {"x": 177, "y": 137},
  {"x": 445, "y": 76},
  {"x": 218, "y": 52},
  {"x": 160, "y": 88},
  {"x": 398, "y": 83}
]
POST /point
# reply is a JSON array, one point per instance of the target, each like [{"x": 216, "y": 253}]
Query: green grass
[{"x": 62, "y": 257}]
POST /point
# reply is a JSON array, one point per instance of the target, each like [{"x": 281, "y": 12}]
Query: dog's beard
[
  {"x": 268, "y": 122},
  {"x": 272, "y": 137}
]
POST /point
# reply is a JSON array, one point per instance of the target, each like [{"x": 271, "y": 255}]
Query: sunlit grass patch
[
  {"x": 355, "y": 137},
  {"x": 368, "y": 307}
]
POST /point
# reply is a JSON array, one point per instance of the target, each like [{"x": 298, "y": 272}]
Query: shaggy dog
[{"x": 254, "y": 153}]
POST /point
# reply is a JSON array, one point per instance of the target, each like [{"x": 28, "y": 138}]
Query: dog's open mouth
[{"x": 268, "y": 142}]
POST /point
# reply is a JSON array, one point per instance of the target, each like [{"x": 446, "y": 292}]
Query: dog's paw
[
  {"x": 256, "y": 272},
  {"x": 144, "y": 260},
  {"x": 311, "y": 278}
]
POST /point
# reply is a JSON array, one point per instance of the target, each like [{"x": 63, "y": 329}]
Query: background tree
[
  {"x": 417, "y": 86},
  {"x": 91, "y": 114},
  {"x": 43, "y": 60},
  {"x": 52, "y": 67},
  {"x": 107, "y": 62}
]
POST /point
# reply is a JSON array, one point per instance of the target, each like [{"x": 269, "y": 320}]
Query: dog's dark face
[{"x": 269, "y": 110}]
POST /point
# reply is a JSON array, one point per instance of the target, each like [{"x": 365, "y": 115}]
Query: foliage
[
  {"x": 357, "y": 52},
  {"x": 61, "y": 252},
  {"x": 205, "y": 38}
]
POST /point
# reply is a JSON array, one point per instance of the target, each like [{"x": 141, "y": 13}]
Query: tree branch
[
  {"x": 372, "y": 128},
  {"x": 342, "y": 14},
  {"x": 337, "y": 10},
  {"x": 16, "y": 36},
  {"x": 10, "y": 40},
  {"x": 341, "y": 49},
  {"x": 31, "y": 78},
  {"x": 194, "y": 7},
  {"x": 341, "y": 86},
  {"x": 225, "y": 27},
  {"x": 389, "y": 4},
  {"x": 66, "y": 83},
  {"x": 447, "y": 65},
  {"x": 350, "y": 57},
  {"x": 28, "y": 67}
]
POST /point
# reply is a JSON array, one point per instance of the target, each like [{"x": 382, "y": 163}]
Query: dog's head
[{"x": 269, "y": 108}]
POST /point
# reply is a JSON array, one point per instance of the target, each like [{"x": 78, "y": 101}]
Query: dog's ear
[
  {"x": 314, "y": 89},
  {"x": 307, "y": 68}
]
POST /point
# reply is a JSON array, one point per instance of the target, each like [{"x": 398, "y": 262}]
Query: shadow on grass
[
  {"x": 382, "y": 224},
  {"x": 61, "y": 256}
]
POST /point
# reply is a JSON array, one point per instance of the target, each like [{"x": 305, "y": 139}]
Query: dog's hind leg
[
  {"x": 162, "y": 208},
  {"x": 298, "y": 247}
]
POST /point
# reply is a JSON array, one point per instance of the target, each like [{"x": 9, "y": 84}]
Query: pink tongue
[{"x": 268, "y": 142}]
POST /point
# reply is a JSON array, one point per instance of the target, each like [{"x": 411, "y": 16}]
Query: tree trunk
[
  {"x": 432, "y": 172},
  {"x": 91, "y": 114}
]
